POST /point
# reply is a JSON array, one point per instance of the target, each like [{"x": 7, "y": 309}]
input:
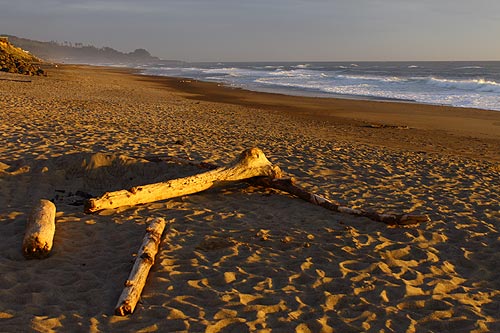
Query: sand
[{"x": 242, "y": 258}]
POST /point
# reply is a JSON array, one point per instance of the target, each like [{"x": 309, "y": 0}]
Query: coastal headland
[{"x": 244, "y": 258}]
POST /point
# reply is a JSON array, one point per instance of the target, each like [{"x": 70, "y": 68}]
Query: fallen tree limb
[
  {"x": 40, "y": 229},
  {"x": 288, "y": 185},
  {"x": 142, "y": 265},
  {"x": 251, "y": 163}
]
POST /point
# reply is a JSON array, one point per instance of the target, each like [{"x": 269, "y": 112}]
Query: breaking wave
[
  {"x": 472, "y": 85},
  {"x": 470, "y": 67}
]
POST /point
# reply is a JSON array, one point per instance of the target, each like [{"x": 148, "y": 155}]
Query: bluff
[{"x": 16, "y": 60}]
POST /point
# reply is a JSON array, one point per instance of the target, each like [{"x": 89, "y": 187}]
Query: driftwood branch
[
  {"x": 251, "y": 163},
  {"x": 143, "y": 263},
  {"x": 288, "y": 185},
  {"x": 40, "y": 229}
]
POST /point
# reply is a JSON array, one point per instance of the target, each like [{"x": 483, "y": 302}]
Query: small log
[
  {"x": 251, "y": 163},
  {"x": 288, "y": 185},
  {"x": 139, "y": 273},
  {"x": 40, "y": 229}
]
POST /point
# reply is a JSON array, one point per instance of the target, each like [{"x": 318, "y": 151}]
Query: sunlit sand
[{"x": 244, "y": 258}]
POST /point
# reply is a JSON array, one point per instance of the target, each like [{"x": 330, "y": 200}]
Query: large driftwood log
[
  {"x": 40, "y": 229},
  {"x": 288, "y": 185},
  {"x": 251, "y": 163},
  {"x": 139, "y": 273}
]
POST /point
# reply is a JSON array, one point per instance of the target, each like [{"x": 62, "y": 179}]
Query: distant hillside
[
  {"x": 79, "y": 53},
  {"x": 16, "y": 60}
]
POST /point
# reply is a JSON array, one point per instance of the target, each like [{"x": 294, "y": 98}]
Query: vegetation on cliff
[
  {"x": 79, "y": 53},
  {"x": 16, "y": 60}
]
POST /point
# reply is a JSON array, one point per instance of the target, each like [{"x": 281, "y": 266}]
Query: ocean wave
[
  {"x": 481, "y": 85},
  {"x": 302, "y": 66},
  {"x": 457, "y": 98},
  {"x": 234, "y": 72},
  {"x": 372, "y": 78},
  {"x": 316, "y": 83},
  {"x": 299, "y": 73},
  {"x": 470, "y": 67}
]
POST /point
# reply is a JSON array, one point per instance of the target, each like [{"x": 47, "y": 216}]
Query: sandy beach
[{"x": 243, "y": 258}]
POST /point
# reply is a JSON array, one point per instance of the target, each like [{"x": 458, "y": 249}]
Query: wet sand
[{"x": 243, "y": 258}]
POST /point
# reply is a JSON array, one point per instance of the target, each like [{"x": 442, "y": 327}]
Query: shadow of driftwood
[{"x": 70, "y": 178}]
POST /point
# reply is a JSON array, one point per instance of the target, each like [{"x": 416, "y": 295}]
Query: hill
[
  {"x": 78, "y": 53},
  {"x": 16, "y": 60}
]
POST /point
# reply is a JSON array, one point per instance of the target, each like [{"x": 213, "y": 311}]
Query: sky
[{"x": 268, "y": 30}]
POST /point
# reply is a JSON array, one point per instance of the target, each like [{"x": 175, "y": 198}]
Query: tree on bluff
[{"x": 140, "y": 53}]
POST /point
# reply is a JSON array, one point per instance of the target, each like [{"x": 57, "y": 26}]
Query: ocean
[{"x": 458, "y": 84}]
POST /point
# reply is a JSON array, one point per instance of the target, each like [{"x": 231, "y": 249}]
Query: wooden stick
[
  {"x": 288, "y": 185},
  {"x": 139, "y": 273},
  {"x": 251, "y": 163},
  {"x": 40, "y": 229}
]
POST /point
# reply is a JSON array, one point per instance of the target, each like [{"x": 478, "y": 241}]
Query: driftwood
[
  {"x": 40, "y": 229},
  {"x": 251, "y": 163},
  {"x": 288, "y": 185},
  {"x": 143, "y": 263}
]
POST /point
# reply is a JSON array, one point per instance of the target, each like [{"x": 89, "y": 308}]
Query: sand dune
[{"x": 239, "y": 258}]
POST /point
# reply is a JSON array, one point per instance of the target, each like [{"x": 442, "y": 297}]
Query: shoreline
[
  {"x": 447, "y": 84},
  {"x": 324, "y": 106},
  {"x": 283, "y": 92}
]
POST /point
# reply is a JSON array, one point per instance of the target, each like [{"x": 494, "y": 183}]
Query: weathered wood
[
  {"x": 251, "y": 163},
  {"x": 40, "y": 230},
  {"x": 142, "y": 265},
  {"x": 288, "y": 185}
]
